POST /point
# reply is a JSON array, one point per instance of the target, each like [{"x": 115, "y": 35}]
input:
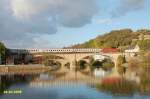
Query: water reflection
[
  {"x": 144, "y": 85},
  {"x": 69, "y": 85},
  {"x": 8, "y": 80},
  {"x": 117, "y": 87},
  {"x": 61, "y": 79},
  {"x": 124, "y": 87}
]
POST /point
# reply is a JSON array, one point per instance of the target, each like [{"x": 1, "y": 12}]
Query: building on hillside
[
  {"x": 135, "y": 49},
  {"x": 132, "y": 51}
]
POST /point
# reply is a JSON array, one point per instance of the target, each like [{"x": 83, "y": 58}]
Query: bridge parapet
[{"x": 55, "y": 50}]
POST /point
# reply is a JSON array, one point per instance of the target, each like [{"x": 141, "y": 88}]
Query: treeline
[{"x": 114, "y": 39}]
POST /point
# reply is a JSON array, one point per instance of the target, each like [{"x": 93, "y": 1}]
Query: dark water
[{"x": 43, "y": 88}]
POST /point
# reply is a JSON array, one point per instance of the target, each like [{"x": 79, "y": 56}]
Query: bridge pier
[{"x": 72, "y": 65}]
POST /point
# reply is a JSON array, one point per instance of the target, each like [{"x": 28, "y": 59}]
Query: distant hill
[{"x": 114, "y": 39}]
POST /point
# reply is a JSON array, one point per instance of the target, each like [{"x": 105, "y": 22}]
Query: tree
[
  {"x": 2, "y": 52},
  {"x": 2, "y": 49},
  {"x": 120, "y": 62}
]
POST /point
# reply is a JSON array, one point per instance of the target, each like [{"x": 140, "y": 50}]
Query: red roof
[{"x": 110, "y": 50}]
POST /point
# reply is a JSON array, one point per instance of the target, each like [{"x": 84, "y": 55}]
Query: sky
[{"x": 62, "y": 23}]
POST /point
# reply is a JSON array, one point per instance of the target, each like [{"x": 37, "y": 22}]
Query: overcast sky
[{"x": 59, "y": 23}]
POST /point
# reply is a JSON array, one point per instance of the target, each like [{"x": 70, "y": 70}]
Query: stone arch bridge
[{"x": 68, "y": 55}]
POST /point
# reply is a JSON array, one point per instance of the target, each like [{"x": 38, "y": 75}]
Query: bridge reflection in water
[{"x": 64, "y": 79}]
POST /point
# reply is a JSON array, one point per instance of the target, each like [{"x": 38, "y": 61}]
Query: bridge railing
[{"x": 53, "y": 50}]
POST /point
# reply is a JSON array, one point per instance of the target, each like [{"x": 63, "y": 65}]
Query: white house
[
  {"x": 133, "y": 51},
  {"x": 136, "y": 49}
]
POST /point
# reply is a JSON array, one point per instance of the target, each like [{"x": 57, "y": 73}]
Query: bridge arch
[{"x": 71, "y": 58}]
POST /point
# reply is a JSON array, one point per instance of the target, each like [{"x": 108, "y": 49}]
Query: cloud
[
  {"x": 127, "y": 6},
  {"x": 104, "y": 21},
  {"x": 23, "y": 21}
]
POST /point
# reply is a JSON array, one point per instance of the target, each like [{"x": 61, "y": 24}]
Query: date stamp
[{"x": 12, "y": 92}]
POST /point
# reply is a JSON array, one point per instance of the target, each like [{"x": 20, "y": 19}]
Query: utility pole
[{"x": 5, "y": 56}]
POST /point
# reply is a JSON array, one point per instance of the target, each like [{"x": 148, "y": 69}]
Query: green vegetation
[
  {"x": 112, "y": 39},
  {"x": 2, "y": 49},
  {"x": 144, "y": 45},
  {"x": 145, "y": 64},
  {"x": 107, "y": 64},
  {"x": 2, "y": 52},
  {"x": 116, "y": 38},
  {"x": 120, "y": 62}
]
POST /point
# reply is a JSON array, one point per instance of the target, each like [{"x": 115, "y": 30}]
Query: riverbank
[{"x": 22, "y": 69}]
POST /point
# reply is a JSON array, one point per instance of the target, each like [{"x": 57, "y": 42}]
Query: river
[{"x": 58, "y": 86}]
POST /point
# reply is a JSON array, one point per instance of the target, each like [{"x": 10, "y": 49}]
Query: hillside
[{"x": 114, "y": 39}]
